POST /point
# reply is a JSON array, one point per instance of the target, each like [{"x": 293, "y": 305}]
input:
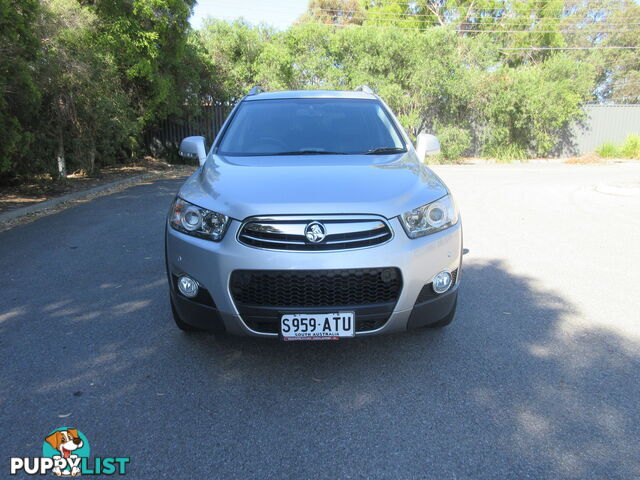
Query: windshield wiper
[
  {"x": 308, "y": 152},
  {"x": 384, "y": 150}
]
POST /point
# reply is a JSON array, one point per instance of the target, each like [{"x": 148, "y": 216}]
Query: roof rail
[
  {"x": 256, "y": 90},
  {"x": 364, "y": 88}
]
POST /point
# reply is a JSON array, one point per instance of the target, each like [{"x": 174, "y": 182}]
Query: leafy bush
[
  {"x": 454, "y": 141},
  {"x": 631, "y": 147},
  {"x": 608, "y": 150},
  {"x": 80, "y": 81},
  {"x": 527, "y": 108}
]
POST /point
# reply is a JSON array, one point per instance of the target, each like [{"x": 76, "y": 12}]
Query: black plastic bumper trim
[
  {"x": 433, "y": 310},
  {"x": 203, "y": 296},
  {"x": 196, "y": 314}
]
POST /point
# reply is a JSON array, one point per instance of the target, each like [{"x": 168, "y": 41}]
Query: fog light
[
  {"x": 441, "y": 282},
  {"x": 187, "y": 286}
]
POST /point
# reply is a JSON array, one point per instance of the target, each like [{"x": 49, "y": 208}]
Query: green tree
[
  {"x": 19, "y": 95},
  {"x": 150, "y": 42},
  {"x": 232, "y": 49},
  {"x": 334, "y": 12},
  {"x": 309, "y": 57},
  {"x": 527, "y": 108},
  {"x": 85, "y": 111},
  {"x": 435, "y": 85},
  {"x": 620, "y": 68}
]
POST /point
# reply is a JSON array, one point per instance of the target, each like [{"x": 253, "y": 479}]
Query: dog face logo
[
  {"x": 66, "y": 453},
  {"x": 65, "y": 441},
  {"x": 67, "y": 446},
  {"x": 315, "y": 232}
]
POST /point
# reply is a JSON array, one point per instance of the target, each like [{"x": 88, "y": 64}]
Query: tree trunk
[
  {"x": 62, "y": 164},
  {"x": 92, "y": 156}
]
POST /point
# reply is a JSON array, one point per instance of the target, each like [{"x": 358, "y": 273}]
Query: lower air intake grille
[
  {"x": 315, "y": 288},
  {"x": 263, "y": 296}
]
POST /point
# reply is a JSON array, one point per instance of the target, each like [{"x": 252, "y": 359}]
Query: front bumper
[{"x": 212, "y": 263}]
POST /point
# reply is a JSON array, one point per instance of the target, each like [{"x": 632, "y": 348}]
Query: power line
[
  {"x": 594, "y": 7},
  {"x": 463, "y": 30},
  {"x": 567, "y": 3},
  {"x": 620, "y": 86},
  {"x": 383, "y": 13},
  {"x": 500, "y": 21},
  {"x": 372, "y": 15},
  {"x": 593, "y": 47},
  {"x": 599, "y": 47},
  {"x": 511, "y": 21},
  {"x": 563, "y": 30},
  {"x": 532, "y": 23},
  {"x": 411, "y": 14}
]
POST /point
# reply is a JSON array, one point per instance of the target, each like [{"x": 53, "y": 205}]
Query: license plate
[{"x": 317, "y": 326}]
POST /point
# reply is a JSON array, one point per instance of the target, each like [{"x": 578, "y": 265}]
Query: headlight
[
  {"x": 430, "y": 218},
  {"x": 197, "y": 221}
]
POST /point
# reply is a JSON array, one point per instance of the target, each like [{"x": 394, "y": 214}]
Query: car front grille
[
  {"x": 315, "y": 288},
  {"x": 288, "y": 232},
  {"x": 263, "y": 296}
]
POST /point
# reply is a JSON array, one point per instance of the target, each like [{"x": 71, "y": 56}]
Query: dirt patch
[
  {"x": 44, "y": 187},
  {"x": 148, "y": 171},
  {"x": 587, "y": 159}
]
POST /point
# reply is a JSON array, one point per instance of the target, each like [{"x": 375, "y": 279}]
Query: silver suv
[{"x": 312, "y": 217}]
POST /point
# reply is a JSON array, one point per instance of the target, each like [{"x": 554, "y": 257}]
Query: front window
[{"x": 310, "y": 126}]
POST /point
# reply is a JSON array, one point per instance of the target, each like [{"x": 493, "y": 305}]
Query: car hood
[{"x": 242, "y": 187}]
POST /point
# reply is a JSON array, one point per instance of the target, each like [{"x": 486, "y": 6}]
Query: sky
[{"x": 277, "y": 13}]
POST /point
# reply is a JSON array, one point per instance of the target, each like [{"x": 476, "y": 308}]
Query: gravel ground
[{"x": 538, "y": 377}]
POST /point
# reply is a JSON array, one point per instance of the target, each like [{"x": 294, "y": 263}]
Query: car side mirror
[
  {"x": 427, "y": 144},
  {"x": 193, "y": 147}
]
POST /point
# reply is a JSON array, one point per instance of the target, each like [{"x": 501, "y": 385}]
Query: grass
[
  {"x": 507, "y": 153},
  {"x": 608, "y": 150},
  {"x": 629, "y": 149},
  {"x": 440, "y": 159}
]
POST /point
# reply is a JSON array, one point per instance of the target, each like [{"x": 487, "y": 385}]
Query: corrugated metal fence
[{"x": 604, "y": 123}]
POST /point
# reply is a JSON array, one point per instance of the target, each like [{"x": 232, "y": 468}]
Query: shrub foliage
[{"x": 82, "y": 80}]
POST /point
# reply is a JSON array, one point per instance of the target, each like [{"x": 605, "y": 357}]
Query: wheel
[
  {"x": 446, "y": 320},
  {"x": 185, "y": 327}
]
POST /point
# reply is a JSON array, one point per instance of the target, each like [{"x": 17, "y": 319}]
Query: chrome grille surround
[{"x": 287, "y": 232}]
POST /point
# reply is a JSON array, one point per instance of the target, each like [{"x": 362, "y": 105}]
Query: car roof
[{"x": 310, "y": 94}]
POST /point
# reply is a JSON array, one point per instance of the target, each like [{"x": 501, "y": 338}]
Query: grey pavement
[
  {"x": 538, "y": 377},
  {"x": 54, "y": 202}
]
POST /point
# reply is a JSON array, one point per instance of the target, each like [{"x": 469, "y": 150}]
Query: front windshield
[{"x": 310, "y": 126}]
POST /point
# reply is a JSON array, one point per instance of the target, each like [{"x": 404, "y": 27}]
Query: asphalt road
[{"x": 538, "y": 377}]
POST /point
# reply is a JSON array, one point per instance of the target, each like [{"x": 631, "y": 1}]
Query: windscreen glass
[{"x": 310, "y": 126}]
